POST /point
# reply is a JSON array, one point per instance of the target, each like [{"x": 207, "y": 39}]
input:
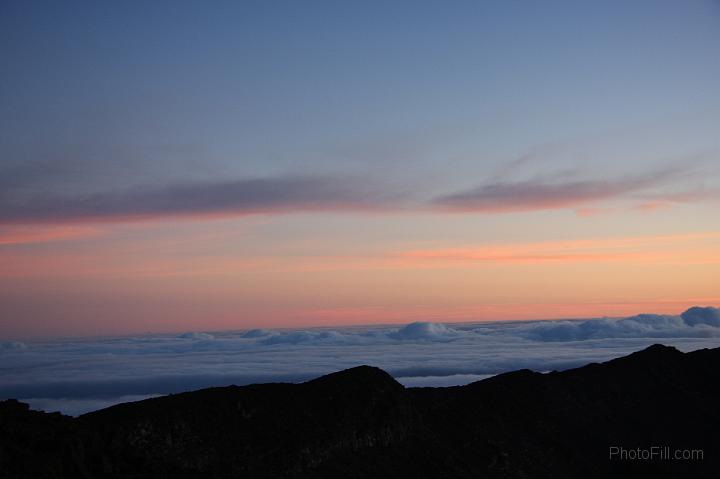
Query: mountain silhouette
[{"x": 361, "y": 423}]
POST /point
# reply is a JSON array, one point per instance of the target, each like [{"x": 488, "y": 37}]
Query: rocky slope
[{"x": 360, "y": 423}]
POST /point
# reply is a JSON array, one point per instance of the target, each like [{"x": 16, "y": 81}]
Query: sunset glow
[{"x": 256, "y": 167}]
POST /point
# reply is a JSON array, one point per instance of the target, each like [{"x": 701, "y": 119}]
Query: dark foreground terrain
[{"x": 362, "y": 423}]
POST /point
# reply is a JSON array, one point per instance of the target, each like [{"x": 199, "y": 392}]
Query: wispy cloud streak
[
  {"x": 234, "y": 197},
  {"x": 687, "y": 248},
  {"x": 44, "y": 234},
  {"x": 544, "y": 194},
  {"x": 33, "y": 203}
]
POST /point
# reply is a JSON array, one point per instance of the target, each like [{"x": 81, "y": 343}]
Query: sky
[{"x": 179, "y": 166}]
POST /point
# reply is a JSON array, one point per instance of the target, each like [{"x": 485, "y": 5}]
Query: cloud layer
[
  {"x": 73, "y": 375},
  {"x": 235, "y": 197},
  {"x": 33, "y": 194}
]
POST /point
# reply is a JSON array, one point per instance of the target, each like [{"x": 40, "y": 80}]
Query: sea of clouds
[{"x": 80, "y": 375}]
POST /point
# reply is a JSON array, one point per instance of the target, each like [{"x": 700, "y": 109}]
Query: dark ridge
[
  {"x": 357, "y": 377},
  {"x": 656, "y": 352},
  {"x": 361, "y": 423},
  {"x": 657, "y": 349}
]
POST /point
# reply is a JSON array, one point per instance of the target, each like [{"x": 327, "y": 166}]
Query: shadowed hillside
[{"x": 362, "y": 423}]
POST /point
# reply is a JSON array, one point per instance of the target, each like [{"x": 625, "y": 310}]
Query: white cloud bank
[
  {"x": 696, "y": 322},
  {"x": 425, "y": 332},
  {"x": 76, "y": 376}
]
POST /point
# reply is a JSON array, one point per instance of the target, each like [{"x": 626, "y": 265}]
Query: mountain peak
[
  {"x": 656, "y": 351},
  {"x": 357, "y": 377},
  {"x": 655, "y": 357}
]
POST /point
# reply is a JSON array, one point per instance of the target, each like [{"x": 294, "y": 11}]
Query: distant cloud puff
[
  {"x": 698, "y": 315},
  {"x": 299, "y": 337},
  {"x": 694, "y": 323},
  {"x": 425, "y": 331},
  {"x": 195, "y": 335},
  {"x": 257, "y": 333},
  {"x": 12, "y": 345}
]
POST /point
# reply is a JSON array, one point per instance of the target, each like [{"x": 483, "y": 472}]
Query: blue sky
[{"x": 256, "y": 88}]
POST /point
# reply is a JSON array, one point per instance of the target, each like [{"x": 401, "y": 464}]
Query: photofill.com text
[{"x": 655, "y": 453}]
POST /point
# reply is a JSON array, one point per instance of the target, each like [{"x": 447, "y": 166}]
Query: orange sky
[{"x": 240, "y": 273}]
